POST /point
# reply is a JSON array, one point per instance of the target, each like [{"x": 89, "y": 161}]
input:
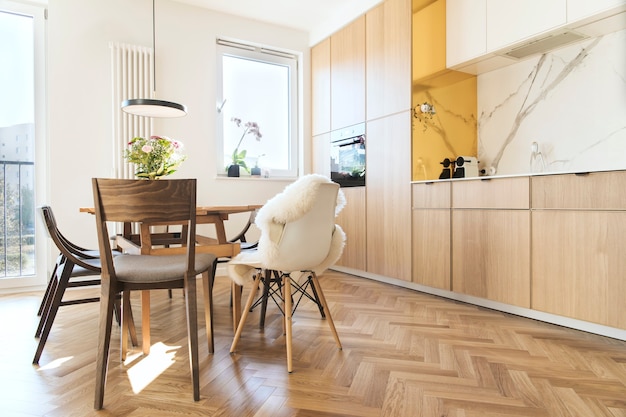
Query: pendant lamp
[{"x": 151, "y": 107}]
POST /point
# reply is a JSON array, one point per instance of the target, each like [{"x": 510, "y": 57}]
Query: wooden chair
[
  {"x": 147, "y": 202},
  {"x": 298, "y": 237},
  {"x": 75, "y": 267},
  {"x": 241, "y": 236}
]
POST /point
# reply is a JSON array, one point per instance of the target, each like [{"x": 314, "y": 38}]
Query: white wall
[
  {"x": 572, "y": 102},
  {"x": 80, "y": 108}
]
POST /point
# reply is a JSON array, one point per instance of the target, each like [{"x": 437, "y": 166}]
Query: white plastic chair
[{"x": 298, "y": 235}]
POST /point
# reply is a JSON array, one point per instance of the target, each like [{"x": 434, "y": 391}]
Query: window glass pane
[
  {"x": 256, "y": 92},
  {"x": 257, "y": 86},
  {"x": 17, "y": 145}
]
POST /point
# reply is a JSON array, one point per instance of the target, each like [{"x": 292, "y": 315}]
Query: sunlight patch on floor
[
  {"x": 55, "y": 363},
  {"x": 150, "y": 367}
]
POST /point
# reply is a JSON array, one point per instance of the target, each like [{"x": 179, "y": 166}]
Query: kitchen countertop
[{"x": 537, "y": 174}]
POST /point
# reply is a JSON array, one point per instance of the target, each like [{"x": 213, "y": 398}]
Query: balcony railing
[{"x": 17, "y": 219}]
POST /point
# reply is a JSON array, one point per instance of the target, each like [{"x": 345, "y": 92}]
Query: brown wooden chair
[
  {"x": 147, "y": 202},
  {"x": 75, "y": 267}
]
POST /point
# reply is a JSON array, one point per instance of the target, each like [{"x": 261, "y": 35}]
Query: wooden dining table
[{"x": 131, "y": 243}]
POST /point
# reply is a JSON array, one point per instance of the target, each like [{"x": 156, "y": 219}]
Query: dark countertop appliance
[{"x": 347, "y": 156}]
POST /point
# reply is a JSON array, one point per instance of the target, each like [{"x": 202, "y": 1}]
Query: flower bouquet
[{"x": 155, "y": 157}]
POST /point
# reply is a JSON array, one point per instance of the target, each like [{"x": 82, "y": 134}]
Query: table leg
[{"x": 145, "y": 321}]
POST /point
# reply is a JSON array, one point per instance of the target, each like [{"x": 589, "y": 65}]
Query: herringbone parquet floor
[{"x": 405, "y": 354}]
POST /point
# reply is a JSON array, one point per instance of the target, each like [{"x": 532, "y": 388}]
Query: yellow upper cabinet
[{"x": 429, "y": 40}]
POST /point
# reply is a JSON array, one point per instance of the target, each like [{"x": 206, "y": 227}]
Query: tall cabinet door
[
  {"x": 320, "y": 86},
  {"x": 347, "y": 75},
  {"x": 389, "y": 196},
  {"x": 352, "y": 221},
  {"x": 388, "y": 58}
]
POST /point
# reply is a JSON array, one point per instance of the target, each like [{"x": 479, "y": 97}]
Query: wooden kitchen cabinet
[
  {"x": 352, "y": 220},
  {"x": 578, "y": 265},
  {"x": 388, "y": 58},
  {"x": 389, "y": 196},
  {"x": 578, "y": 229},
  {"x": 496, "y": 193},
  {"x": 491, "y": 250},
  {"x": 491, "y": 239},
  {"x": 320, "y": 86},
  {"x": 347, "y": 75},
  {"x": 587, "y": 191},
  {"x": 512, "y": 21},
  {"x": 321, "y": 154},
  {"x": 431, "y": 234}
]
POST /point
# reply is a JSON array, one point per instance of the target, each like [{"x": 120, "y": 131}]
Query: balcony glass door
[{"x": 19, "y": 125}]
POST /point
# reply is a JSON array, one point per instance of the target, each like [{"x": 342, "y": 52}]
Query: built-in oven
[{"x": 347, "y": 156}]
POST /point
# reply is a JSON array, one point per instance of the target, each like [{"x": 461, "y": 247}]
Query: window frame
[
  {"x": 240, "y": 49},
  {"x": 39, "y": 15}
]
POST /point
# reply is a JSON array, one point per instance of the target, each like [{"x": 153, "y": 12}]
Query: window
[
  {"x": 22, "y": 244},
  {"x": 257, "y": 85}
]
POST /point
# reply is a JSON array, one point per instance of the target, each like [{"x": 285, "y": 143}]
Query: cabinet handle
[
  {"x": 485, "y": 179},
  {"x": 581, "y": 174}
]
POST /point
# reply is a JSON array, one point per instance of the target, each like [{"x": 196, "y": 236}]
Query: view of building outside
[{"x": 17, "y": 146}]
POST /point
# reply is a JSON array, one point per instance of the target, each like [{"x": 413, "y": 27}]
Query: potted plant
[
  {"x": 256, "y": 170},
  {"x": 239, "y": 156},
  {"x": 154, "y": 157}
]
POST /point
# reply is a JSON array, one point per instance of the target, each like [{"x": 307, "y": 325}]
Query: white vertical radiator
[{"x": 131, "y": 77}]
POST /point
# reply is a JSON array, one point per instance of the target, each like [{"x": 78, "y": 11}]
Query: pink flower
[
  {"x": 146, "y": 148},
  {"x": 253, "y": 128}
]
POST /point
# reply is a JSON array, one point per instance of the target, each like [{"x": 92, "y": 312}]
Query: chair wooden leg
[
  {"x": 107, "y": 301},
  {"x": 124, "y": 323},
  {"x": 329, "y": 317},
  {"x": 132, "y": 330},
  {"x": 145, "y": 321},
  {"x": 192, "y": 334},
  {"x": 246, "y": 311},
  {"x": 288, "y": 313},
  {"x": 46, "y": 304},
  {"x": 207, "y": 283},
  {"x": 48, "y": 293},
  {"x": 49, "y": 315},
  {"x": 235, "y": 292}
]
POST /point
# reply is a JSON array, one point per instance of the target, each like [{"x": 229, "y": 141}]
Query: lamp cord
[{"x": 153, "y": 51}]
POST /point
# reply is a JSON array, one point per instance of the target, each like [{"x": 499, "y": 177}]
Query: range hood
[
  {"x": 609, "y": 22},
  {"x": 545, "y": 44}
]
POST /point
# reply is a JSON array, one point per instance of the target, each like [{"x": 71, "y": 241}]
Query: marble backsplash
[{"x": 571, "y": 102}]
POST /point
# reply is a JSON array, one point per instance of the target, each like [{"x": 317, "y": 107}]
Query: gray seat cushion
[{"x": 162, "y": 268}]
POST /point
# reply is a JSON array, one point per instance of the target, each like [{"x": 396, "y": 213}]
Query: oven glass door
[{"x": 347, "y": 161}]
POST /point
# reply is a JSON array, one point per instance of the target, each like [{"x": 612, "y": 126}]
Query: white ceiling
[{"x": 319, "y": 18}]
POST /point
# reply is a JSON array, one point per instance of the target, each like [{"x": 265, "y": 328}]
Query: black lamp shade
[{"x": 153, "y": 108}]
